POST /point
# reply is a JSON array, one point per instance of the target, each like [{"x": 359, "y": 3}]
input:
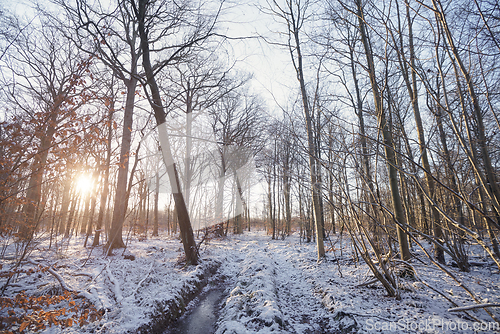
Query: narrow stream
[{"x": 202, "y": 317}]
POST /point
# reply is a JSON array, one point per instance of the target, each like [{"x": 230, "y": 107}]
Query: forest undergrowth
[{"x": 271, "y": 286}]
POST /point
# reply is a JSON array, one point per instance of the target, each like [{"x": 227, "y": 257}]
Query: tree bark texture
[{"x": 155, "y": 100}]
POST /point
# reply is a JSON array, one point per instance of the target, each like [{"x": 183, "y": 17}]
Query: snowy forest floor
[{"x": 271, "y": 286}]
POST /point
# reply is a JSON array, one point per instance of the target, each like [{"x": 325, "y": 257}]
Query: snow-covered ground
[{"x": 271, "y": 286}]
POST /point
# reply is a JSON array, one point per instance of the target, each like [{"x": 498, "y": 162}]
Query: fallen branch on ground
[
  {"x": 63, "y": 284},
  {"x": 58, "y": 277},
  {"x": 117, "y": 291},
  {"x": 472, "y": 307},
  {"x": 367, "y": 283}
]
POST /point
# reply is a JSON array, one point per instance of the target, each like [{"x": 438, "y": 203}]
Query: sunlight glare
[{"x": 84, "y": 183}]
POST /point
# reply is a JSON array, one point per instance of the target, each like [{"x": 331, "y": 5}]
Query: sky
[
  {"x": 274, "y": 76},
  {"x": 242, "y": 21}
]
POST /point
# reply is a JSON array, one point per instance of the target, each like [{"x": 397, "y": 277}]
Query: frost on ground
[{"x": 272, "y": 286}]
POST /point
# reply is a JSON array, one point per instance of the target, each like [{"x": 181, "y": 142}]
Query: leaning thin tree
[
  {"x": 294, "y": 15},
  {"x": 152, "y": 91}
]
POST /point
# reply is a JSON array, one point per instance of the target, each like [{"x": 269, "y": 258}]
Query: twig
[
  {"x": 90, "y": 276},
  {"x": 88, "y": 257},
  {"x": 472, "y": 307},
  {"x": 205, "y": 235},
  {"x": 64, "y": 286}
]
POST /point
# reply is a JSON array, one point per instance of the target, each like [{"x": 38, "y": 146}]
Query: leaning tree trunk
[
  {"x": 358, "y": 110},
  {"x": 489, "y": 180},
  {"x": 156, "y": 103}
]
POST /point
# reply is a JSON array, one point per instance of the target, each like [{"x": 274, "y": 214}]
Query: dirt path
[
  {"x": 271, "y": 292},
  {"x": 300, "y": 305}
]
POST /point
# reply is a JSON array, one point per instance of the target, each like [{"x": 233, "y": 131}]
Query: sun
[{"x": 84, "y": 183}]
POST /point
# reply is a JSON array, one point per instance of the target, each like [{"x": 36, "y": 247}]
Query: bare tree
[
  {"x": 151, "y": 20},
  {"x": 388, "y": 141},
  {"x": 295, "y": 14},
  {"x": 195, "y": 85},
  {"x": 237, "y": 120},
  {"x": 48, "y": 86},
  {"x": 109, "y": 103},
  {"x": 112, "y": 35},
  {"x": 411, "y": 85}
]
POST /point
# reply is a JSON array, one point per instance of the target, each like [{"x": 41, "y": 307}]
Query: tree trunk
[
  {"x": 189, "y": 145},
  {"x": 156, "y": 103},
  {"x": 66, "y": 198},
  {"x": 488, "y": 181},
  {"x": 411, "y": 86},
  {"x": 388, "y": 142},
  {"x": 93, "y": 196},
  {"x": 219, "y": 201},
  {"x": 34, "y": 192},
  {"x": 311, "y": 148},
  {"x": 358, "y": 110},
  {"x": 240, "y": 206},
  {"x": 105, "y": 177},
  {"x": 156, "y": 200},
  {"x": 120, "y": 203},
  {"x": 270, "y": 207},
  {"x": 288, "y": 205},
  {"x": 85, "y": 214},
  {"x": 74, "y": 205}
]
